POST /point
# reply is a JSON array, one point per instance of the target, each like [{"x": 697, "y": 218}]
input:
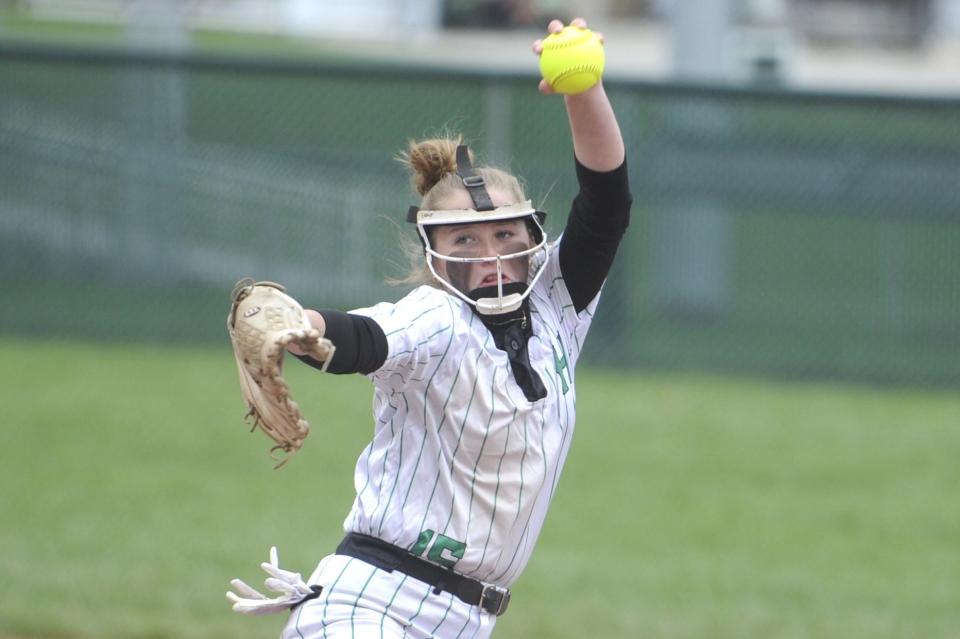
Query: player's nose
[{"x": 488, "y": 244}]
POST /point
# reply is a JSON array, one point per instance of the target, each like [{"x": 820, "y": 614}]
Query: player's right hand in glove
[{"x": 291, "y": 589}]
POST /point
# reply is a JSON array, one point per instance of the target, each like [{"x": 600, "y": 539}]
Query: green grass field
[{"x": 690, "y": 507}]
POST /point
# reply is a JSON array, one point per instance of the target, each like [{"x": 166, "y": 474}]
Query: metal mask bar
[{"x": 502, "y": 303}]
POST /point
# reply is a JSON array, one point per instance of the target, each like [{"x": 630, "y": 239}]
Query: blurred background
[
  {"x": 795, "y": 166},
  {"x": 785, "y": 307}
]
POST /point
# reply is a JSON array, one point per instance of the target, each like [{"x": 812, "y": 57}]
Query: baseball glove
[{"x": 263, "y": 320}]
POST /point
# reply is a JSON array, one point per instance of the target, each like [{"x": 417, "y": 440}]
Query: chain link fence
[{"x": 773, "y": 232}]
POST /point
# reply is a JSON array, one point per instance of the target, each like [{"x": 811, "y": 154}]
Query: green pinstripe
[
  {"x": 390, "y": 603},
  {"x": 356, "y": 604},
  {"x": 413, "y": 320},
  {"x": 565, "y": 412},
  {"x": 496, "y": 493},
  {"x": 386, "y": 508},
  {"x": 523, "y": 459},
  {"x": 419, "y": 609},
  {"x": 385, "y": 457},
  {"x": 296, "y": 624},
  {"x": 326, "y": 600},
  {"x": 420, "y": 343},
  {"x": 444, "y": 618},
  {"x": 483, "y": 444},
  {"x": 467, "y": 622},
  {"x": 426, "y": 391},
  {"x": 526, "y": 526},
  {"x": 462, "y": 426},
  {"x": 369, "y": 452}
]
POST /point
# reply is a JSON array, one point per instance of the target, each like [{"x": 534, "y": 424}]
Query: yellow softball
[{"x": 572, "y": 60}]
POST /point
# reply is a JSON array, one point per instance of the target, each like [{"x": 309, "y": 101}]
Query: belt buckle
[{"x": 494, "y": 600}]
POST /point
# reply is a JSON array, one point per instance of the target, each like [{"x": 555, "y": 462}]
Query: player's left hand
[
  {"x": 556, "y": 26},
  {"x": 290, "y": 587},
  {"x": 262, "y": 323}
]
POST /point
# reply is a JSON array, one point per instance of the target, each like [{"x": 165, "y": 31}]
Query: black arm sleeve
[
  {"x": 598, "y": 219},
  {"x": 361, "y": 344}
]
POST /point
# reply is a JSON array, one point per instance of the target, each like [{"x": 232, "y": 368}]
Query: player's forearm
[
  {"x": 361, "y": 344},
  {"x": 597, "y": 221},
  {"x": 597, "y": 141}
]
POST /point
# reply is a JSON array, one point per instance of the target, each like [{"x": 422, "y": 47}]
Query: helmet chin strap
[{"x": 499, "y": 298}]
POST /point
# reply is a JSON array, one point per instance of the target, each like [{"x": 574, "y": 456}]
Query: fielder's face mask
[{"x": 463, "y": 262}]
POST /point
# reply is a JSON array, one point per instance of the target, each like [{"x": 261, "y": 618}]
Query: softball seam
[
  {"x": 583, "y": 68},
  {"x": 583, "y": 38}
]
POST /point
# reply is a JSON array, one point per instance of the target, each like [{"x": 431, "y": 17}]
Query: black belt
[{"x": 389, "y": 557}]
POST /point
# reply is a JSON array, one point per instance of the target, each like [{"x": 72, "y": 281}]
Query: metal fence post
[
  {"x": 497, "y": 121},
  {"x": 151, "y": 227},
  {"x": 692, "y": 272}
]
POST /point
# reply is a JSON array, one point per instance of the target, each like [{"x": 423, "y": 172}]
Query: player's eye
[
  {"x": 462, "y": 239},
  {"x": 505, "y": 234}
]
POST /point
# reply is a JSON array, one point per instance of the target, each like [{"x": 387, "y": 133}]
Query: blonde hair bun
[{"x": 430, "y": 160}]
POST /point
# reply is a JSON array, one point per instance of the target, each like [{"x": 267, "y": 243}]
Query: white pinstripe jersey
[{"x": 462, "y": 467}]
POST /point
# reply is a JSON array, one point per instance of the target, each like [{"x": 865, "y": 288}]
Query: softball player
[{"x": 474, "y": 391}]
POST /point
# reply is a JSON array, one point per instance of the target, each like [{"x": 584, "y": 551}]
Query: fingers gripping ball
[{"x": 572, "y": 60}]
